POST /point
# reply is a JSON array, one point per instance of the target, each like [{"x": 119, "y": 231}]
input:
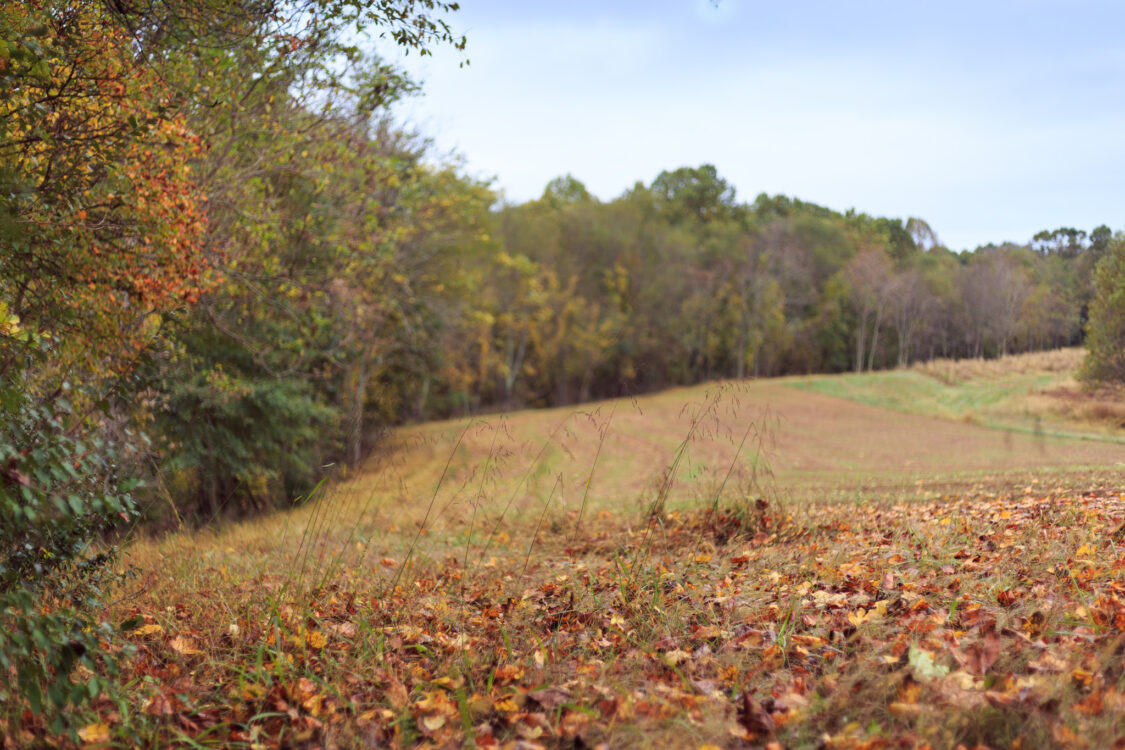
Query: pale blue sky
[{"x": 989, "y": 119}]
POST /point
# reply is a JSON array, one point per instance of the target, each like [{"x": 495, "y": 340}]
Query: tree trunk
[{"x": 860, "y": 337}]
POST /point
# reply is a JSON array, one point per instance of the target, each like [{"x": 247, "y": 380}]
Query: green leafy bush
[
  {"x": 1105, "y": 330},
  {"x": 60, "y": 491},
  {"x": 242, "y": 443}
]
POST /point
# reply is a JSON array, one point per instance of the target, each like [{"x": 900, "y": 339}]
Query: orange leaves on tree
[{"x": 110, "y": 225}]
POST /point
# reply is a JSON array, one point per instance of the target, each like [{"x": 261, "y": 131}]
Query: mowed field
[
  {"x": 742, "y": 564},
  {"x": 798, "y": 438}
]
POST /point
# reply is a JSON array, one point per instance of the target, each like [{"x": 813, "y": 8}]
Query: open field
[
  {"x": 729, "y": 566},
  {"x": 1034, "y": 393}
]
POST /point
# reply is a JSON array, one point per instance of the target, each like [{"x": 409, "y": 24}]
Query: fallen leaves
[{"x": 882, "y": 615}]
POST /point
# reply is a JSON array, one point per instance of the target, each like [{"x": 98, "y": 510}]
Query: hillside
[{"x": 866, "y": 575}]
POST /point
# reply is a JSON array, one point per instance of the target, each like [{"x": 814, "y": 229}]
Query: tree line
[{"x": 676, "y": 282}]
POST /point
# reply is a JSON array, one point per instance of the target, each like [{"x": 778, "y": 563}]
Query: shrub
[
  {"x": 60, "y": 491},
  {"x": 1105, "y": 330}
]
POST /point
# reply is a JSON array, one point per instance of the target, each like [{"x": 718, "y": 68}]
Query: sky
[{"x": 991, "y": 119}]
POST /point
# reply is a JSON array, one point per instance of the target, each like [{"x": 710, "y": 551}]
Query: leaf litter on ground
[{"x": 983, "y": 619}]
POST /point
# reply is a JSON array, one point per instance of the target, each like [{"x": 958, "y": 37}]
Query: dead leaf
[
  {"x": 182, "y": 645},
  {"x": 977, "y": 657},
  {"x": 160, "y": 705},
  {"x": 754, "y": 717},
  {"x": 94, "y": 734},
  {"x": 677, "y": 657},
  {"x": 433, "y": 722},
  {"x": 1007, "y": 598},
  {"x": 1092, "y": 705},
  {"x": 396, "y": 694},
  {"x": 508, "y": 673},
  {"x": 550, "y": 698},
  {"x": 906, "y": 710}
]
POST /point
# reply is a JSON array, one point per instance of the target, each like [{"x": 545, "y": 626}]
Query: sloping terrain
[{"x": 730, "y": 566}]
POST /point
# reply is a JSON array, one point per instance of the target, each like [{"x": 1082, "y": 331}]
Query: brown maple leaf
[
  {"x": 977, "y": 657},
  {"x": 754, "y": 717}
]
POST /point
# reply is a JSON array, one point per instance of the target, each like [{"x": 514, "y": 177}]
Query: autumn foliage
[{"x": 105, "y": 223}]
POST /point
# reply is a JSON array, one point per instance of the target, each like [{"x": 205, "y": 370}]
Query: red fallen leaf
[
  {"x": 977, "y": 617},
  {"x": 1007, "y": 598},
  {"x": 754, "y": 717},
  {"x": 485, "y": 740}
]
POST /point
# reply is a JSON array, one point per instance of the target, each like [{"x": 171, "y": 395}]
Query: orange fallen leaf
[
  {"x": 508, "y": 673},
  {"x": 906, "y": 710},
  {"x": 1092, "y": 705},
  {"x": 93, "y": 734},
  {"x": 182, "y": 645}
]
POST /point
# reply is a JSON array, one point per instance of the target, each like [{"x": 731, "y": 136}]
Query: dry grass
[
  {"x": 955, "y": 371},
  {"x": 564, "y": 579}
]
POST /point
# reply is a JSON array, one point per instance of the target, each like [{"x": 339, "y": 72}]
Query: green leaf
[
  {"x": 131, "y": 624},
  {"x": 924, "y": 667}
]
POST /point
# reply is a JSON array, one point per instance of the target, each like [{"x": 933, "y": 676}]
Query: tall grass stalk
[
  {"x": 523, "y": 481},
  {"x": 604, "y": 432},
  {"x": 430, "y": 507},
  {"x": 539, "y": 524}
]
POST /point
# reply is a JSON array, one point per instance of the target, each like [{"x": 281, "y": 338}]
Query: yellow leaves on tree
[{"x": 104, "y": 225}]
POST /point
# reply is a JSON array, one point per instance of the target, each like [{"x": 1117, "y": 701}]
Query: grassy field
[
  {"x": 752, "y": 564},
  {"x": 1034, "y": 393}
]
